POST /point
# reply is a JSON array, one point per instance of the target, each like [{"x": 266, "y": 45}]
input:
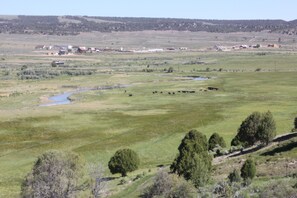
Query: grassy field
[{"x": 98, "y": 122}]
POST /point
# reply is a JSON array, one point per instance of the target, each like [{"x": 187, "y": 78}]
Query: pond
[
  {"x": 63, "y": 99},
  {"x": 200, "y": 78},
  {"x": 60, "y": 99}
]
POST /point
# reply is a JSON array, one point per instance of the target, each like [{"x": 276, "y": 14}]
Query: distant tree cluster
[
  {"x": 39, "y": 74},
  {"x": 51, "y": 25},
  {"x": 256, "y": 127}
]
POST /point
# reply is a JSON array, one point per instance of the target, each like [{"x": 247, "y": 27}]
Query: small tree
[
  {"x": 96, "y": 172},
  {"x": 234, "y": 176},
  {"x": 193, "y": 158},
  {"x": 216, "y": 140},
  {"x": 256, "y": 127},
  {"x": 55, "y": 174},
  {"x": 123, "y": 161},
  {"x": 54, "y": 64},
  {"x": 200, "y": 169},
  {"x": 248, "y": 170},
  {"x": 247, "y": 132},
  {"x": 267, "y": 130}
]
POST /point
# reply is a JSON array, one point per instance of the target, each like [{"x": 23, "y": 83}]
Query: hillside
[{"x": 73, "y": 25}]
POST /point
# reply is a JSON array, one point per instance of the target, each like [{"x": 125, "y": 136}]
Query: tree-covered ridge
[{"x": 72, "y": 25}]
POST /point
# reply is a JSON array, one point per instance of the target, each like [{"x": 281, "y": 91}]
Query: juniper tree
[
  {"x": 267, "y": 130},
  {"x": 193, "y": 161},
  {"x": 247, "y": 132},
  {"x": 216, "y": 140},
  {"x": 248, "y": 170},
  {"x": 123, "y": 161},
  {"x": 256, "y": 127}
]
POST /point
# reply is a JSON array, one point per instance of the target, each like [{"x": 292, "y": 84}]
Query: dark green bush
[
  {"x": 170, "y": 70},
  {"x": 214, "y": 140},
  {"x": 123, "y": 181},
  {"x": 248, "y": 170},
  {"x": 234, "y": 176},
  {"x": 123, "y": 161}
]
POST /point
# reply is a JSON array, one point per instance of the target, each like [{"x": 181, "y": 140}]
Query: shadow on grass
[
  {"x": 110, "y": 178},
  {"x": 248, "y": 150},
  {"x": 282, "y": 138},
  {"x": 163, "y": 165},
  {"x": 281, "y": 149},
  {"x": 285, "y": 137}
]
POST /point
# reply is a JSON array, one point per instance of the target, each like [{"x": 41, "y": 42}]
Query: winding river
[{"x": 63, "y": 99}]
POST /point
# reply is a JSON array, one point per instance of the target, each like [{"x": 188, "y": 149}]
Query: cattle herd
[{"x": 181, "y": 91}]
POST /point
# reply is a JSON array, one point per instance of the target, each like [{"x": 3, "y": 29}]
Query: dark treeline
[{"x": 72, "y": 25}]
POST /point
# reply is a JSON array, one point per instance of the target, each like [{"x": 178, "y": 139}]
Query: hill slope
[{"x": 72, "y": 25}]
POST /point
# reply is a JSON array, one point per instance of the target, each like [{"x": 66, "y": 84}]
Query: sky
[{"x": 194, "y": 9}]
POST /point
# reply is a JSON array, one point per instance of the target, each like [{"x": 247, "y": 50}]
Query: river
[{"x": 63, "y": 99}]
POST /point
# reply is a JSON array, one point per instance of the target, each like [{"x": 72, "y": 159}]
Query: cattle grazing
[{"x": 213, "y": 88}]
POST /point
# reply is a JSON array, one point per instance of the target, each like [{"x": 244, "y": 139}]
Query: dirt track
[{"x": 276, "y": 140}]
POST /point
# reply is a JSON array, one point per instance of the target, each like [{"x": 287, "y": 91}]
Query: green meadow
[{"x": 98, "y": 122}]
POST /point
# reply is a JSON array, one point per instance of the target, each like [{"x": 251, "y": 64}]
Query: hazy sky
[{"x": 199, "y": 9}]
